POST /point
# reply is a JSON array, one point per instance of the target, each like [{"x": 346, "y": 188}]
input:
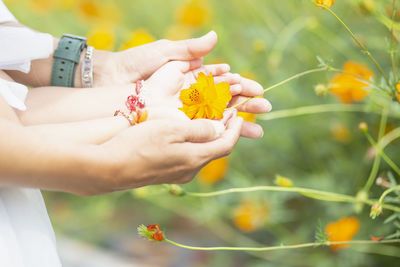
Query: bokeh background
[{"x": 267, "y": 41}]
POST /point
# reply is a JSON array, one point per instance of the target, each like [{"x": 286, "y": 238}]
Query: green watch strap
[{"x": 65, "y": 59}]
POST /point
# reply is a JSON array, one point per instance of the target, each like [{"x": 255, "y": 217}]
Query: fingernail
[{"x": 219, "y": 127}]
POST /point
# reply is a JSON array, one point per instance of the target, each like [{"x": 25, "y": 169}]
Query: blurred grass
[{"x": 270, "y": 41}]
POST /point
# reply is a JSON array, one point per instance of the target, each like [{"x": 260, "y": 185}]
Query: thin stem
[
  {"x": 314, "y": 109},
  {"x": 387, "y": 192},
  {"x": 377, "y": 160},
  {"x": 388, "y": 138},
  {"x": 361, "y": 45},
  {"x": 282, "y": 83},
  {"x": 284, "y": 247},
  {"x": 383, "y": 154},
  {"x": 392, "y": 56},
  {"x": 311, "y": 193}
]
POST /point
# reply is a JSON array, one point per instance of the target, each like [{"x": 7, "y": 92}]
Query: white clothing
[{"x": 26, "y": 236}]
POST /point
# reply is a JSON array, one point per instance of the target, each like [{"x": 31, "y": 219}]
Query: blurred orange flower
[
  {"x": 214, "y": 171},
  {"x": 325, "y": 3},
  {"x": 137, "y": 38},
  {"x": 340, "y": 132},
  {"x": 250, "y": 215},
  {"x": 348, "y": 87},
  {"x": 102, "y": 38},
  {"x": 204, "y": 99},
  {"x": 194, "y": 13},
  {"x": 398, "y": 91},
  {"x": 342, "y": 230}
]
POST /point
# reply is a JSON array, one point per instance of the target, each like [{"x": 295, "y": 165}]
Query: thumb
[
  {"x": 200, "y": 131},
  {"x": 191, "y": 48}
]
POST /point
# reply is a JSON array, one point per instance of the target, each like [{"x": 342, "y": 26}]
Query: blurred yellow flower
[
  {"x": 204, "y": 99},
  {"x": 101, "y": 38},
  {"x": 99, "y": 12},
  {"x": 42, "y": 6},
  {"x": 89, "y": 9},
  {"x": 259, "y": 45},
  {"x": 194, "y": 13},
  {"x": 340, "y": 132},
  {"x": 136, "y": 38},
  {"x": 348, "y": 87},
  {"x": 250, "y": 117},
  {"x": 283, "y": 181},
  {"x": 342, "y": 230},
  {"x": 250, "y": 215},
  {"x": 248, "y": 74},
  {"x": 179, "y": 32},
  {"x": 325, "y": 3},
  {"x": 214, "y": 171}
]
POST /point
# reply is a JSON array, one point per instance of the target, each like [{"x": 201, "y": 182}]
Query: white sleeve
[{"x": 5, "y": 14}]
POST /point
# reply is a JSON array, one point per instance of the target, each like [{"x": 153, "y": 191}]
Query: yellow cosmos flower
[
  {"x": 213, "y": 171},
  {"x": 342, "y": 230},
  {"x": 194, "y": 13},
  {"x": 101, "y": 38},
  {"x": 137, "y": 38},
  {"x": 348, "y": 87},
  {"x": 250, "y": 215},
  {"x": 204, "y": 99},
  {"x": 325, "y": 3}
]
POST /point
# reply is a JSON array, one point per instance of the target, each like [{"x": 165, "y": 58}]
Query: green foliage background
[{"x": 301, "y": 148}]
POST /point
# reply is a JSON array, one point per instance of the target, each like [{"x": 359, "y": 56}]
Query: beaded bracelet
[{"x": 136, "y": 105}]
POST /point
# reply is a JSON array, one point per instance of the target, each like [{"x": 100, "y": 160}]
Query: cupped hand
[
  {"x": 166, "y": 151},
  {"x": 165, "y": 85}
]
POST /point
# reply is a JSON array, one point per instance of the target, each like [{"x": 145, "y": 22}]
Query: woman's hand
[
  {"x": 166, "y": 151},
  {"x": 165, "y": 84}
]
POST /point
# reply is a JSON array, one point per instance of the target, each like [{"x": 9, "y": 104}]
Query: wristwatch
[{"x": 65, "y": 59}]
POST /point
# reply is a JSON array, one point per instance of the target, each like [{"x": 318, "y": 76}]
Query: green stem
[
  {"x": 363, "y": 47},
  {"x": 377, "y": 160},
  {"x": 283, "y": 247},
  {"x": 298, "y": 75},
  {"x": 314, "y": 109},
  {"x": 387, "y": 192},
  {"x": 392, "y": 56},
  {"x": 311, "y": 193},
  {"x": 383, "y": 154},
  {"x": 388, "y": 138}
]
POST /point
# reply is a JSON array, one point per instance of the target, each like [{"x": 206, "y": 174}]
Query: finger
[
  {"x": 183, "y": 66},
  {"x": 188, "y": 49},
  {"x": 251, "y": 130},
  {"x": 222, "y": 146},
  {"x": 248, "y": 87},
  {"x": 255, "y": 105},
  {"x": 196, "y": 131},
  {"x": 229, "y": 78},
  {"x": 215, "y": 70},
  {"x": 235, "y": 89}
]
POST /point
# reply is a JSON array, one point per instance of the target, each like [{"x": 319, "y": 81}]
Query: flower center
[{"x": 194, "y": 96}]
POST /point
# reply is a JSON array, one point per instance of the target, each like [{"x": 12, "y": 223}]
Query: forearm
[
  {"x": 29, "y": 160},
  {"x": 86, "y": 132},
  {"x": 60, "y": 105}
]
